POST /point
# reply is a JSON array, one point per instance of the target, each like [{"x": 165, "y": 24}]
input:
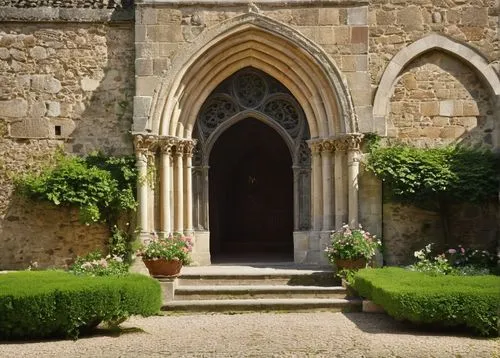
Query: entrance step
[
  {"x": 267, "y": 304},
  {"x": 250, "y": 287},
  {"x": 221, "y": 292}
]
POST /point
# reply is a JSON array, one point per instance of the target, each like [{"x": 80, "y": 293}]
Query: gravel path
[{"x": 317, "y": 334}]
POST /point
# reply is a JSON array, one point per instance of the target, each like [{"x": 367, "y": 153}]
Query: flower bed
[
  {"x": 37, "y": 304},
  {"x": 442, "y": 300}
]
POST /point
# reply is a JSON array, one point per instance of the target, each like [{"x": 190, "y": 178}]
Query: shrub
[
  {"x": 37, "y": 304},
  {"x": 95, "y": 264},
  {"x": 445, "y": 300}
]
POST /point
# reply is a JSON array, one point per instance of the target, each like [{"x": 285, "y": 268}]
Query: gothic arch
[
  {"x": 419, "y": 47},
  {"x": 253, "y": 40}
]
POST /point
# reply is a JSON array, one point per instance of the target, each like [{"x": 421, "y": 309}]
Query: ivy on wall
[
  {"x": 102, "y": 187},
  {"x": 435, "y": 177}
]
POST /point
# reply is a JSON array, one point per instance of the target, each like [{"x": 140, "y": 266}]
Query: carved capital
[
  {"x": 179, "y": 148},
  {"x": 340, "y": 144},
  {"x": 316, "y": 147},
  {"x": 145, "y": 143},
  {"x": 189, "y": 146},
  {"x": 166, "y": 145},
  {"x": 328, "y": 146},
  {"x": 353, "y": 141}
]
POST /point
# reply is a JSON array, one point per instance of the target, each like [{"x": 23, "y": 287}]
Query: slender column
[
  {"x": 296, "y": 198},
  {"x": 151, "y": 184},
  {"x": 340, "y": 202},
  {"x": 353, "y": 157},
  {"x": 141, "y": 144},
  {"x": 317, "y": 200},
  {"x": 179, "y": 190},
  {"x": 327, "y": 171},
  {"x": 188, "y": 185},
  {"x": 165, "y": 184},
  {"x": 205, "y": 206}
]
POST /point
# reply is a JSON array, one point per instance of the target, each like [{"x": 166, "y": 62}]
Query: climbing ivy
[
  {"x": 419, "y": 175},
  {"x": 102, "y": 187}
]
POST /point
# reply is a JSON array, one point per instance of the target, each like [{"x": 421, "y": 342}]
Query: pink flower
[{"x": 452, "y": 251}]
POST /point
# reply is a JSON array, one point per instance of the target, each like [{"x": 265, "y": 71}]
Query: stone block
[
  {"x": 441, "y": 121},
  {"x": 14, "y": 108},
  {"x": 305, "y": 16},
  {"x": 160, "y": 65},
  {"x": 326, "y": 36},
  {"x": 168, "y": 289},
  {"x": 143, "y": 67},
  {"x": 89, "y": 84},
  {"x": 357, "y": 16},
  {"x": 145, "y": 85},
  {"x": 328, "y": 16},
  {"x": 410, "y": 18},
  {"x": 37, "y": 109},
  {"x": 446, "y": 108},
  {"x": 470, "y": 108},
  {"x": 140, "y": 33},
  {"x": 38, "y": 53},
  {"x": 358, "y": 80},
  {"x": 30, "y": 128},
  {"x": 354, "y": 63},
  {"x": 45, "y": 83},
  {"x": 164, "y": 33},
  {"x": 452, "y": 132},
  {"x": 142, "y": 105},
  {"x": 474, "y": 16},
  {"x": 342, "y": 35},
  {"x": 359, "y": 34},
  {"x": 362, "y": 97},
  {"x": 149, "y": 16},
  {"x": 166, "y": 15},
  {"x": 467, "y": 122},
  {"x": 429, "y": 108},
  {"x": 53, "y": 108},
  {"x": 385, "y": 17}
]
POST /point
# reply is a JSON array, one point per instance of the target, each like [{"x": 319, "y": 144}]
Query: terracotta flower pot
[
  {"x": 163, "y": 267},
  {"x": 351, "y": 263}
]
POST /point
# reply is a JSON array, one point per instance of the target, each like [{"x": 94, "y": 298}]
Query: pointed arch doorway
[
  {"x": 251, "y": 194},
  {"x": 252, "y": 168}
]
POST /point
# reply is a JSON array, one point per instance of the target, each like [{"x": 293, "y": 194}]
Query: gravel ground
[{"x": 317, "y": 334}]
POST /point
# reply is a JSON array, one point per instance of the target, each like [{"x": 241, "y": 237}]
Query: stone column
[
  {"x": 188, "y": 186},
  {"x": 179, "y": 188},
  {"x": 296, "y": 198},
  {"x": 353, "y": 157},
  {"x": 340, "y": 202},
  {"x": 205, "y": 209},
  {"x": 317, "y": 190},
  {"x": 142, "y": 143},
  {"x": 151, "y": 185},
  {"x": 327, "y": 171},
  {"x": 165, "y": 185}
]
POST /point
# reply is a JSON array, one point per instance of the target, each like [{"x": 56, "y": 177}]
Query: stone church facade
[{"x": 251, "y": 116}]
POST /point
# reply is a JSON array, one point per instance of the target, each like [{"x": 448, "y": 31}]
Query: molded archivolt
[
  {"x": 416, "y": 49},
  {"x": 252, "y": 40}
]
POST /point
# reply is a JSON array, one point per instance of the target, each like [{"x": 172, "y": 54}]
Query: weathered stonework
[{"x": 84, "y": 75}]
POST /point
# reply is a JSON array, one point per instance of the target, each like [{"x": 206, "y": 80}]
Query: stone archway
[{"x": 251, "y": 122}]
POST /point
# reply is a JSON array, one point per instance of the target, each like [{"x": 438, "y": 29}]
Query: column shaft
[
  {"x": 340, "y": 204},
  {"x": 179, "y": 191},
  {"x": 327, "y": 172},
  {"x": 166, "y": 225},
  {"x": 188, "y": 190},
  {"x": 317, "y": 200},
  {"x": 296, "y": 198},
  {"x": 352, "y": 177}
]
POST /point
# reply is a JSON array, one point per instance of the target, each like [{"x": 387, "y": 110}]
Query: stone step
[
  {"x": 311, "y": 279},
  {"x": 220, "y": 292},
  {"x": 267, "y": 304}
]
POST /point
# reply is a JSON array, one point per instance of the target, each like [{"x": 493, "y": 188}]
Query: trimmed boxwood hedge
[
  {"x": 37, "y": 304},
  {"x": 473, "y": 301}
]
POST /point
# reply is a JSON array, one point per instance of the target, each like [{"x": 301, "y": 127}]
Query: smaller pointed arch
[{"x": 432, "y": 42}]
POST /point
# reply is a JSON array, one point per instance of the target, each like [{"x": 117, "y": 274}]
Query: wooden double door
[{"x": 251, "y": 194}]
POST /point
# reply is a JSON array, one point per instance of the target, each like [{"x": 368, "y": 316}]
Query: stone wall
[
  {"x": 68, "y": 85},
  {"x": 438, "y": 100}
]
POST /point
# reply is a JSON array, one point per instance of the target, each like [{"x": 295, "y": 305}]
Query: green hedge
[
  {"x": 473, "y": 301},
  {"x": 36, "y": 304}
]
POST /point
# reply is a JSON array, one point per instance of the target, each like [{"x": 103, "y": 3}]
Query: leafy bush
[
  {"x": 444, "y": 300},
  {"x": 95, "y": 264},
  {"x": 417, "y": 175},
  {"x": 100, "y": 186},
  {"x": 459, "y": 261},
  {"x": 37, "y": 304}
]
